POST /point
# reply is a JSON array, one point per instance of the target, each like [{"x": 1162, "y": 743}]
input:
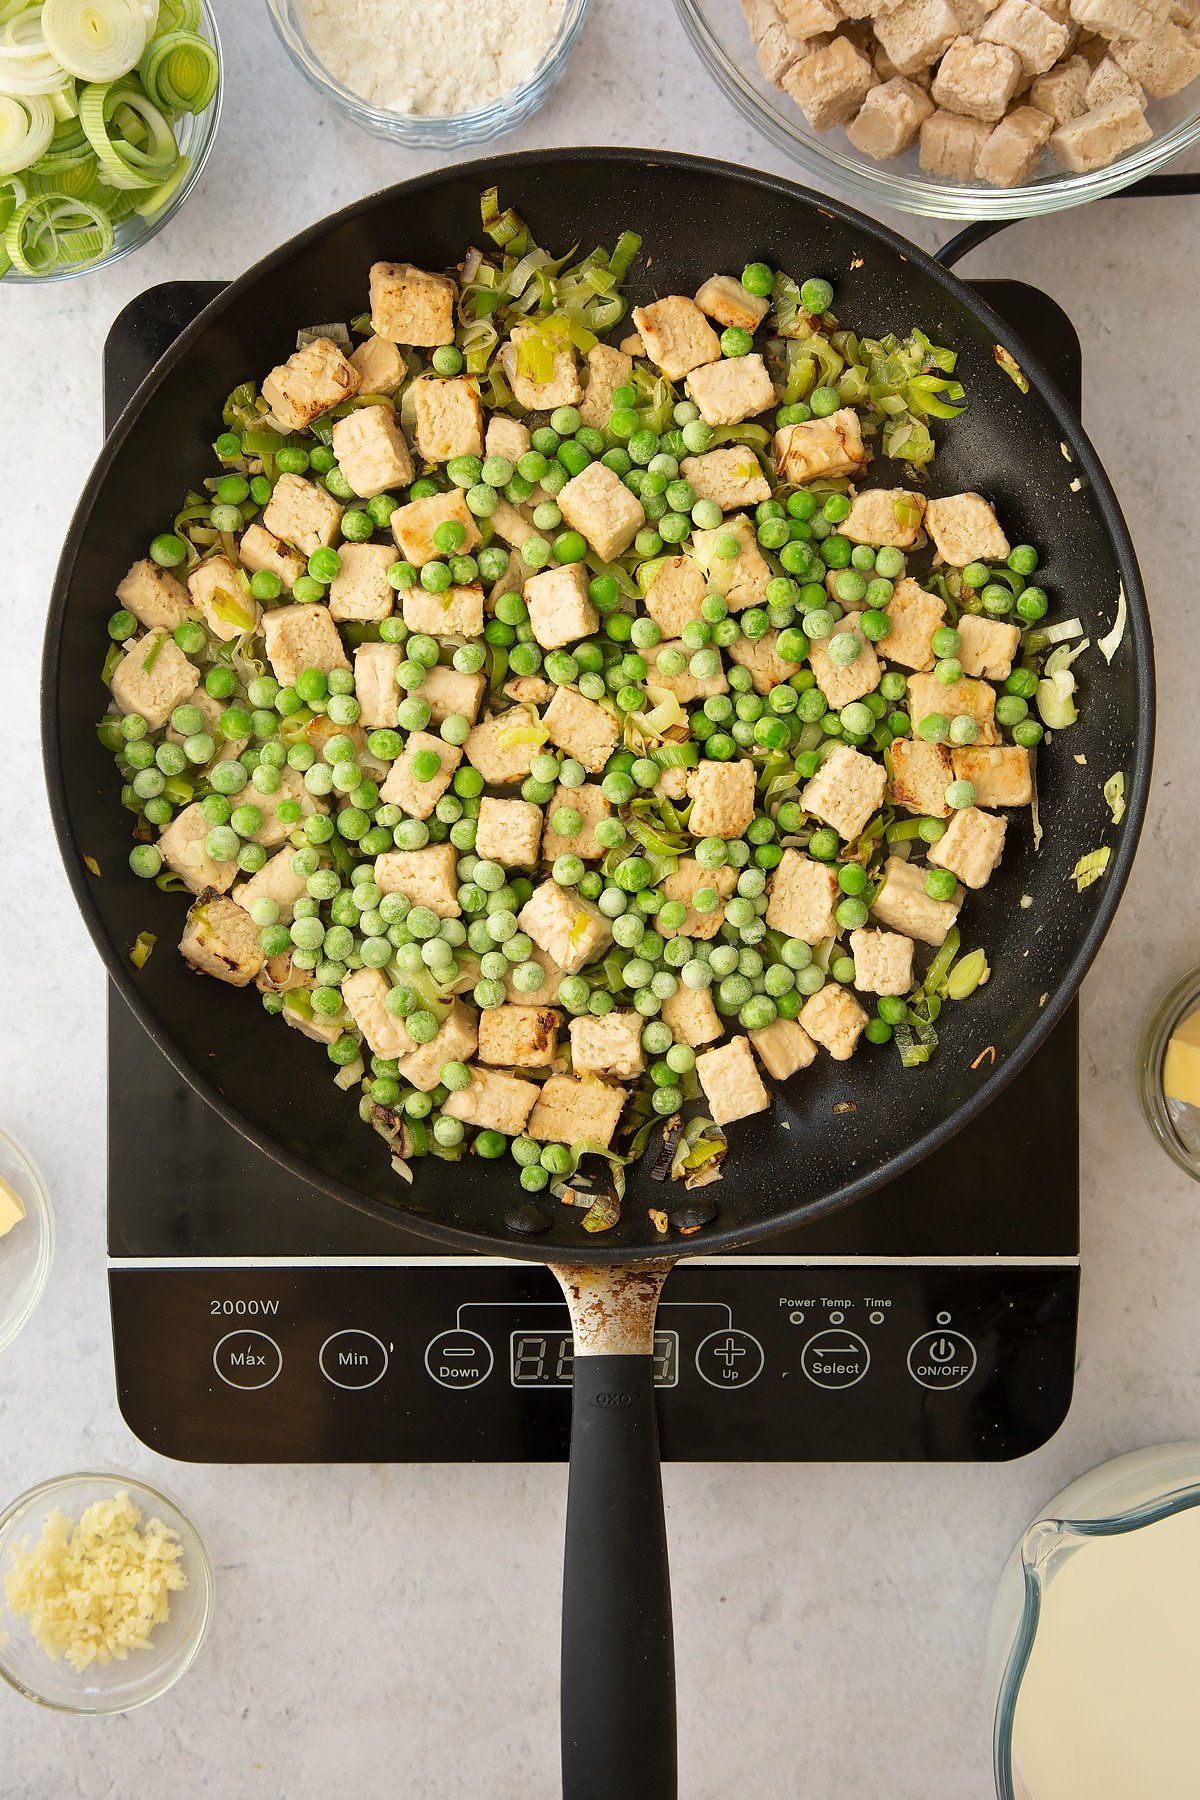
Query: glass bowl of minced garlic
[
  {"x": 26, "y": 1240},
  {"x": 106, "y": 1593}
]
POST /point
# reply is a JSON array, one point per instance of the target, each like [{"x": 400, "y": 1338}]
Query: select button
[
  {"x": 835, "y": 1359},
  {"x": 247, "y": 1359},
  {"x": 353, "y": 1359}
]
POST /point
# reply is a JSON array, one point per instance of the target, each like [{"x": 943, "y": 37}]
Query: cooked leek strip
[
  {"x": 95, "y": 40},
  {"x": 124, "y": 164},
  {"x": 26, "y": 65},
  {"x": 50, "y": 231},
  {"x": 26, "y": 131},
  {"x": 146, "y": 204},
  {"x": 179, "y": 71}
]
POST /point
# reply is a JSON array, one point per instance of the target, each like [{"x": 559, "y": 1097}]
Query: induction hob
[{"x": 257, "y": 1320}]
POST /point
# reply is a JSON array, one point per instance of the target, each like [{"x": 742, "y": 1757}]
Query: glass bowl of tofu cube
[
  {"x": 106, "y": 1593},
  {"x": 1168, "y": 1067},
  {"x": 413, "y": 88},
  {"x": 962, "y": 108},
  {"x": 26, "y": 1240}
]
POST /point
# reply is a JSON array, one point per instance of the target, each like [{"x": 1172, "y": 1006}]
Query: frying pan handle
[
  {"x": 1151, "y": 187},
  {"x": 618, "y": 1652}
]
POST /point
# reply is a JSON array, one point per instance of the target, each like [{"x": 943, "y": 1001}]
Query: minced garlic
[{"x": 95, "y": 1590}]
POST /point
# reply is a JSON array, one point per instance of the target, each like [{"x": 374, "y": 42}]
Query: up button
[{"x": 940, "y": 1360}]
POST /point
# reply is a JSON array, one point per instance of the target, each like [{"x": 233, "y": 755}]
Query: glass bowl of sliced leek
[{"x": 108, "y": 112}]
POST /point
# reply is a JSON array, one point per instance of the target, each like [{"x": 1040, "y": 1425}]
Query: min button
[
  {"x": 940, "y": 1360},
  {"x": 247, "y": 1359},
  {"x": 353, "y": 1359}
]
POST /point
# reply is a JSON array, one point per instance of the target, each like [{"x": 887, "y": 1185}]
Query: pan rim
[{"x": 509, "y": 167}]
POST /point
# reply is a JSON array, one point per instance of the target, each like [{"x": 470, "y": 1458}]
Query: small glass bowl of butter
[
  {"x": 1169, "y": 1072},
  {"x": 26, "y": 1239}
]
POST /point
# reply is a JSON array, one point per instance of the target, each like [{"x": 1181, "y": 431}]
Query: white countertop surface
[{"x": 393, "y": 1630}]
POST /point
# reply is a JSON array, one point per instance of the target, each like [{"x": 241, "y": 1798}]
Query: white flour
[{"x": 431, "y": 56}]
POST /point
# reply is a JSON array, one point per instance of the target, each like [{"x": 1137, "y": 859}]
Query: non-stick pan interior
[{"x": 838, "y": 1128}]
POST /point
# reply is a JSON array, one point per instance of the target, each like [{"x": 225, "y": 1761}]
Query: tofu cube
[
  {"x": 821, "y": 447},
  {"x": 951, "y": 146},
  {"x": 302, "y": 637},
  {"x": 732, "y": 476},
  {"x": 811, "y": 18},
  {"x": 972, "y": 846},
  {"x": 882, "y": 962},
  {"x": 736, "y": 388},
  {"x": 1038, "y": 40},
  {"x": 589, "y": 802},
  {"x": 831, "y": 83},
  {"x": 381, "y": 368},
  {"x": 965, "y": 529},
  {"x": 565, "y": 925},
  {"x": 607, "y": 370},
  {"x": 921, "y": 773},
  {"x": 260, "y": 549},
  {"x": 559, "y": 608},
  {"x": 573, "y": 1112},
  {"x": 361, "y": 590},
  {"x": 371, "y": 450},
  {"x": 411, "y": 306},
  {"x": 845, "y": 791},
  {"x": 1062, "y": 91},
  {"x": 502, "y": 747},
  {"x": 297, "y": 1008},
  {"x": 988, "y": 646},
  {"x": 449, "y": 418},
  {"x": 977, "y": 80},
  {"x": 916, "y": 33},
  {"x": 683, "y": 883},
  {"x": 426, "y": 876},
  {"x": 413, "y": 525},
  {"x": 761, "y": 656},
  {"x": 506, "y": 437},
  {"x": 449, "y": 691},
  {"x": 1099, "y": 137},
  {"x": 277, "y": 880},
  {"x": 154, "y": 597},
  {"x": 1001, "y": 774},
  {"x": 508, "y": 832},
  {"x": 598, "y": 504},
  {"x": 778, "y": 51},
  {"x": 674, "y": 596},
  {"x": 455, "y": 1042},
  {"x": 611, "y": 1045},
  {"x": 887, "y": 123},
  {"x": 302, "y": 514},
  {"x": 493, "y": 1102},
  {"x": 841, "y": 683},
  {"x": 520, "y": 1037},
  {"x": 732, "y": 1084},
  {"x": 692, "y": 1016},
  {"x": 218, "y": 596},
  {"x": 402, "y": 788},
  {"x": 975, "y": 699},
  {"x": 833, "y": 1017},
  {"x": 562, "y": 386},
  {"x": 375, "y": 688},
  {"x": 803, "y": 895},
  {"x": 1163, "y": 63},
  {"x": 530, "y": 690},
  {"x": 309, "y": 383},
  {"x": 456, "y": 612},
  {"x": 783, "y": 1048},
  {"x": 547, "y": 992},
  {"x": 885, "y": 516},
  {"x": 686, "y": 687},
  {"x": 221, "y": 940},
  {"x": 915, "y": 615},
  {"x": 903, "y": 905},
  {"x": 1129, "y": 20},
  {"x": 1108, "y": 81},
  {"x": 676, "y": 336},
  {"x": 582, "y": 728},
  {"x": 741, "y": 580},
  {"x": 153, "y": 678},
  {"x": 722, "y": 799},
  {"x": 1014, "y": 149},
  {"x": 275, "y": 831},
  {"x": 181, "y": 846},
  {"x": 723, "y": 298}
]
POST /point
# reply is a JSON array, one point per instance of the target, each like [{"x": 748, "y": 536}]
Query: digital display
[{"x": 546, "y": 1358}]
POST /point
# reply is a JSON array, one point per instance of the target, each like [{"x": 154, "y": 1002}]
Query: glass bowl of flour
[{"x": 433, "y": 74}]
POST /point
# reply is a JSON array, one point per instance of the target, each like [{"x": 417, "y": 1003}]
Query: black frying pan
[{"x": 1023, "y": 449}]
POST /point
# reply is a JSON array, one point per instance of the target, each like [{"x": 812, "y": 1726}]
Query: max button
[
  {"x": 940, "y": 1360},
  {"x": 247, "y": 1359},
  {"x": 459, "y": 1359},
  {"x": 729, "y": 1358}
]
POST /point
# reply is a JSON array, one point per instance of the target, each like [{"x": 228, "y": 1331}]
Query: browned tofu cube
[
  {"x": 676, "y": 336},
  {"x": 153, "y": 678},
  {"x": 582, "y": 728},
  {"x": 493, "y": 1102},
  {"x": 411, "y": 306},
  {"x": 783, "y": 1048},
  {"x": 921, "y": 773},
  {"x": 833, "y": 1017},
  {"x": 722, "y": 799},
  {"x": 845, "y": 791},
  {"x": 915, "y": 615},
  {"x": 885, "y": 516},
  {"x": 1001, "y": 774},
  {"x": 303, "y": 514},
  {"x": 560, "y": 610},
  {"x": 154, "y": 597},
  {"x": 597, "y": 503},
  {"x": 404, "y": 789},
  {"x": 361, "y": 589},
  {"x": 381, "y": 367},
  {"x": 843, "y": 682},
  {"x": 449, "y": 418},
  {"x": 221, "y": 940},
  {"x": 821, "y": 447},
  {"x": 882, "y": 962},
  {"x": 260, "y": 549},
  {"x": 302, "y": 637},
  {"x": 371, "y": 450},
  {"x": 972, "y": 846},
  {"x": 803, "y": 896},
  {"x": 903, "y": 905},
  {"x": 988, "y": 646},
  {"x": 732, "y": 1084},
  {"x": 609, "y": 1046},
  {"x": 414, "y": 525},
  {"x": 674, "y": 596},
  {"x": 972, "y": 699},
  {"x": 508, "y": 832},
  {"x": 533, "y": 388},
  {"x": 684, "y": 882},
  {"x": 732, "y": 476},
  {"x": 573, "y": 1112},
  {"x": 309, "y": 383},
  {"x": 736, "y": 388},
  {"x": 519, "y": 1037}
]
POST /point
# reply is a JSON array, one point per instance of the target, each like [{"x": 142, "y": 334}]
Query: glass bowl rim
[
  {"x": 1173, "y": 1004},
  {"x": 197, "y": 1551},
  {"x": 12, "y": 1328}
]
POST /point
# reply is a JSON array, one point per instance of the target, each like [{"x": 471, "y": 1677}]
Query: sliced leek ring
[
  {"x": 26, "y": 130},
  {"x": 95, "y": 40},
  {"x": 27, "y": 66}
]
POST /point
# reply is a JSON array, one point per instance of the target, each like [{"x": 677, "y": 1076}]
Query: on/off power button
[{"x": 940, "y": 1360}]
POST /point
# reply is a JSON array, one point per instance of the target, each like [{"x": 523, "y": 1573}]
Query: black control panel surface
[{"x": 754, "y": 1362}]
